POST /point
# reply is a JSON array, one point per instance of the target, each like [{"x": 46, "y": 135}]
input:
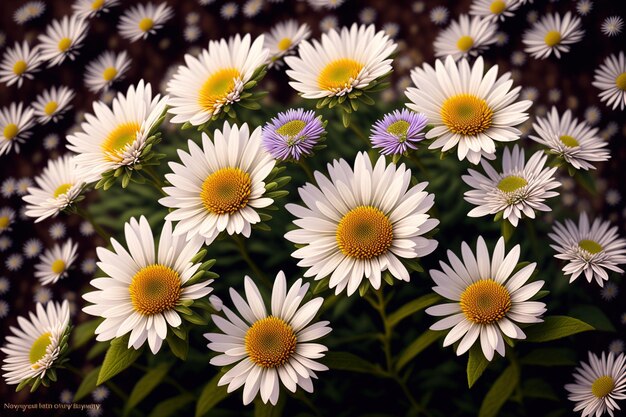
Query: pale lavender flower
[
  {"x": 398, "y": 132},
  {"x": 292, "y": 134}
]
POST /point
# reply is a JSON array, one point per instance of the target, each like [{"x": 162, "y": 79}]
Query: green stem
[
  {"x": 154, "y": 179},
  {"x": 88, "y": 217},
  {"x": 419, "y": 164},
  {"x": 246, "y": 257},
  {"x": 307, "y": 169},
  {"x": 360, "y": 135}
]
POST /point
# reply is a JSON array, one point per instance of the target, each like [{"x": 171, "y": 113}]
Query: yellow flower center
[
  {"x": 64, "y": 44},
  {"x": 62, "y": 189},
  {"x": 50, "y": 108},
  {"x": 58, "y": 266},
  {"x": 284, "y": 44},
  {"x": 109, "y": 73},
  {"x": 146, "y": 24},
  {"x": 4, "y": 222},
  {"x": 155, "y": 289},
  {"x": 399, "y": 129},
  {"x": 97, "y": 4},
  {"x": 226, "y": 190},
  {"x": 270, "y": 342},
  {"x": 603, "y": 386},
  {"x": 620, "y": 81},
  {"x": 120, "y": 137},
  {"x": 338, "y": 74},
  {"x": 590, "y": 246},
  {"x": 10, "y": 131},
  {"x": 217, "y": 87},
  {"x": 466, "y": 114},
  {"x": 19, "y": 67},
  {"x": 291, "y": 128},
  {"x": 38, "y": 349},
  {"x": 497, "y": 6},
  {"x": 552, "y": 38},
  {"x": 364, "y": 233},
  {"x": 511, "y": 183},
  {"x": 569, "y": 141},
  {"x": 485, "y": 302},
  {"x": 465, "y": 43}
]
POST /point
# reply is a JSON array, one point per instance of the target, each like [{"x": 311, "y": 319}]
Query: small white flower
[
  {"x": 229, "y": 10},
  {"x": 5, "y": 285},
  {"x": 14, "y": 262},
  {"x": 9, "y": 187},
  {"x": 18, "y": 63},
  {"x": 7, "y": 217},
  {"x": 494, "y": 9},
  {"x": 466, "y": 37},
  {"x": 4, "y": 309},
  {"x": 252, "y": 8},
  {"x": 284, "y": 38},
  {"x": 5, "y": 243},
  {"x": 583, "y": 7},
  {"x": 613, "y": 197},
  {"x": 553, "y": 34},
  {"x": 88, "y": 266},
  {"x": 29, "y": 11},
  {"x": 108, "y": 68},
  {"x": 142, "y": 20},
  {"x": 439, "y": 15},
  {"x": 367, "y": 15},
  {"x": 57, "y": 231},
  {"x": 62, "y": 39},
  {"x": 52, "y": 103},
  {"x": 86, "y": 229},
  {"x": 66, "y": 396},
  {"x": 92, "y": 8},
  {"x": 15, "y": 123},
  {"x": 328, "y": 4},
  {"x": 100, "y": 394},
  {"x": 32, "y": 248},
  {"x": 611, "y": 79},
  {"x": 329, "y": 23},
  {"x": 51, "y": 141},
  {"x": 593, "y": 115},
  {"x": 609, "y": 291},
  {"x": 612, "y": 26},
  {"x": 55, "y": 263},
  {"x": 192, "y": 33}
]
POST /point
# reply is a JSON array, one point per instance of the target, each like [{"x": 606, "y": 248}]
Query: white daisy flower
[
  {"x": 108, "y": 68},
  {"x": 469, "y": 109},
  {"x": 576, "y": 142},
  {"x": 494, "y": 9},
  {"x": 86, "y": 229},
  {"x": 34, "y": 348},
  {"x": 229, "y": 10},
  {"x": 100, "y": 394},
  {"x": 92, "y": 8},
  {"x": 367, "y": 15},
  {"x": 88, "y": 266},
  {"x": 439, "y": 15},
  {"x": 7, "y": 217},
  {"x": 32, "y": 248},
  {"x": 144, "y": 19},
  {"x": 612, "y": 26},
  {"x": 55, "y": 262},
  {"x": 192, "y": 33},
  {"x": 9, "y": 187},
  {"x": 62, "y": 39},
  {"x": 583, "y": 7},
  {"x": 593, "y": 115},
  {"x": 144, "y": 285},
  {"x": 115, "y": 136},
  {"x": 609, "y": 292},
  {"x": 611, "y": 79},
  {"x": 214, "y": 79},
  {"x": 329, "y": 23},
  {"x": 252, "y": 8},
  {"x": 358, "y": 223},
  {"x": 219, "y": 187},
  {"x": 29, "y": 11},
  {"x": 612, "y": 197},
  {"x": 589, "y": 249},
  {"x": 19, "y": 63},
  {"x": 488, "y": 300},
  {"x": 343, "y": 61},
  {"x": 328, "y": 4},
  {"x": 465, "y": 37},
  {"x": 553, "y": 34},
  {"x": 22, "y": 185},
  {"x": 57, "y": 231},
  {"x": 52, "y": 103},
  {"x": 58, "y": 186},
  {"x": 51, "y": 141},
  {"x": 283, "y": 40},
  {"x": 269, "y": 349},
  {"x": 14, "y": 262},
  {"x": 599, "y": 384},
  {"x": 14, "y": 125},
  {"x": 42, "y": 295}
]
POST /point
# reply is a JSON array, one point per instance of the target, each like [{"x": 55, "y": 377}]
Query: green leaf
[
  {"x": 269, "y": 410},
  {"x": 178, "y": 346},
  {"x": 145, "y": 385},
  {"x": 476, "y": 364},
  {"x": 555, "y": 327},
  {"x": 417, "y": 346},
  {"x": 550, "y": 357},
  {"x": 594, "y": 316},
  {"x": 88, "y": 384},
  {"x": 117, "y": 358},
  {"x": 412, "y": 307},
  {"x": 171, "y": 405},
  {"x": 345, "y": 361},
  {"x": 507, "y": 229},
  {"x": 211, "y": 396},
  {"x": 84, "y": 332},
  {"x": 538, "y": 388},
  {"x": 500, "y": 392}
]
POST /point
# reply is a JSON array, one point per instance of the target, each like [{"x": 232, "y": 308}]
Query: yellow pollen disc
[
  {"x": 38, "y": 349},
  {"x": 10, "y": 131},
  {"x": 552, "y": 38},
  {"x": 620, "y": 81},
  {"x": 284, "y": 44},
  {"x": 4, "y": 222},
  {"x": 58, "y": 266},
  {"x": 217, "y": 87},
  {"x": 485, "y": 302},
  {"x": 497, "y": 6},
  {"x": 399, "y": 129},
  {"x": 50, "y": 108},
  {"x": 270, "y": 342},
  {"x": 97, "y": 4},
  {"x": 226, "y": 190},
  {"x": 590, "y": 246},
  {"x": 338, "y": 73},
  {"x": 109, "y": 73},
  {"x": 122, "y": 135},
  {"x": 291, "y": 128},
  {"x": 603, "y": 386},
  {"x": 466, "y": 114},
  {"x": 155, "y": 289},
  {"x": 146, "y": 24},
  {"x": 465, "y": 43},
  {"x": 62, "y": 189},
  {"x": 569, "y": 141},
  {"x": 364, "y": 233},
  {"x": 511, "y": 183},
  {"x": 19, "y": 67},
  {"x": 64, "y": 44}
]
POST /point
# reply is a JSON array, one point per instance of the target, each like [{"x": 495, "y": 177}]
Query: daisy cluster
[{"x": 212, "y": 163}]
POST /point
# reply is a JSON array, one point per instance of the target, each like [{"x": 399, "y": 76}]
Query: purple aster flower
[
  {"x": 398, "y": 131},
  {"x": 292, "y": 134}
]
